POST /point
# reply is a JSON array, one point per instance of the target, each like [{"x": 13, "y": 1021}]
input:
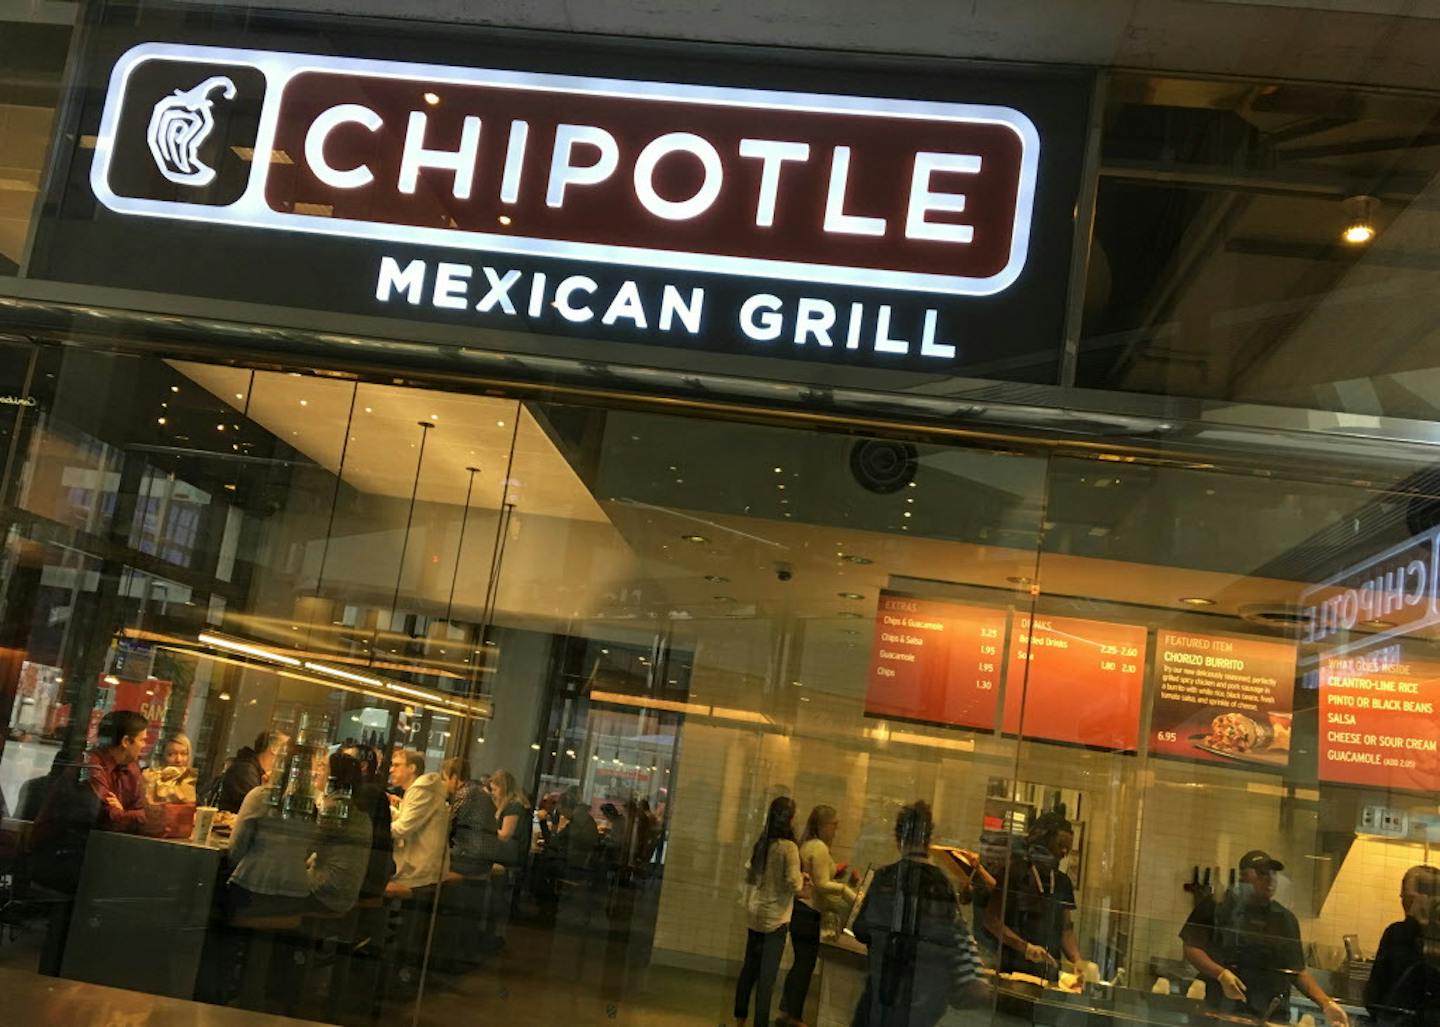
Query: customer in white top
[
  {"x": 823, "y": 893},
  {"x": 772, "y": 880},
  {"x": 421, "y": 825}
]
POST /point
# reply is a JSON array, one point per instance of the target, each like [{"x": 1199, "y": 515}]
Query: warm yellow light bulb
[{"x": 1358, "y": 234}]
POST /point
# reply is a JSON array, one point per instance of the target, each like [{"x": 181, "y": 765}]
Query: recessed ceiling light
[
  {"x": 1360, "y": 228},
  {"x": 1196, "y": 601},
  {"x": 698, "y": 540},
  {"x": 504, "y": 219},
  {"x": 159, "y": 420},
  {"x": 432, "y": 99},
  {"x": 850, "y": 595},
  {"x": 717, "y": 579}
]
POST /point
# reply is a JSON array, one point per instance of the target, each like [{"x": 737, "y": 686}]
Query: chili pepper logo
[{"x": 179, "y": 124}]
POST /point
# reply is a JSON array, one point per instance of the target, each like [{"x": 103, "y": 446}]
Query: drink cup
[{"x": 204, "y": 821}]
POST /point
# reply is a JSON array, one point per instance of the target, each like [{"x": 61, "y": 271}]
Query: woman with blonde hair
[
  {"x": 823, "y": 893},
  {"x": 170, "y": 778}
]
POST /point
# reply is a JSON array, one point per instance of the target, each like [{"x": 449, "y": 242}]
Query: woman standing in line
[
  {"x": 822, "y": 894},
  {"x": 772, "y": 880}
]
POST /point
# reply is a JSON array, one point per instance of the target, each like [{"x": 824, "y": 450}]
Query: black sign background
[{"x": 1015, "y": 335}]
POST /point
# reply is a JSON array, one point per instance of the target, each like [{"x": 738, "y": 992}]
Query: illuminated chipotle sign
[{"x": 921, "y": 196}]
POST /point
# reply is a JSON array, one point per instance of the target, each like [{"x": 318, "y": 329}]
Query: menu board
[
  {"x": 1378, "y": 722},
  {"x": 1223, "y": 699},
  {"x": 935, "y": 661},
  {"x": 1080, "y": 681}
]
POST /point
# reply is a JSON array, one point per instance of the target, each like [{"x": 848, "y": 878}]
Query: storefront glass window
[{"x": 597, "y": 648}]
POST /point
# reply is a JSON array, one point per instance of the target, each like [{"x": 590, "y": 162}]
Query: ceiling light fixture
[
  {"x": 1196, "y": 601},
  {"x": 1360, "y": 226},
  {"x": 432, "y": 99},
  {"x": 698, "y": 540},
  {"x": 850, "y": 595},
  {"x": 234, "y": 646},
  {"x": 717, "y": 579},
  {"x": 346, "y": 675}
]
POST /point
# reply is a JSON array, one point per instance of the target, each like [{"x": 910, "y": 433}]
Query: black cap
[{"x": 1259, "y": 859}]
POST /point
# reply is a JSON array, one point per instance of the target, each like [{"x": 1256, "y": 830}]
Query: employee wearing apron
[
  {"x": 1031, "y": 910},
  {"x": 1248, "y": 948}
]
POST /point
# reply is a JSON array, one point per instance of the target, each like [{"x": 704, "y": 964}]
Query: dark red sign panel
[
  {"x": 874, "y": 192},
  {"x": 1223, "y": 699},
  {"x": 1077, "y": 681},
  {"x": 935, "y": 661}
]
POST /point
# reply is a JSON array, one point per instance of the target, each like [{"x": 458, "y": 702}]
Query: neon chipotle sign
[{"x": 551, "y": 192}]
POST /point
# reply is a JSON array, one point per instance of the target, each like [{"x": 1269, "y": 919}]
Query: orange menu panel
[
  {"x": 1081, "y": 681},
  {"x": 935, "y": 661},
  {"x": 1223, "y": 698},
  {"x": 1379, "y": 724}
]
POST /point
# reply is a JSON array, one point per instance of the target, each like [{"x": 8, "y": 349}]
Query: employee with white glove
[{"x": 1249, "y": 946}]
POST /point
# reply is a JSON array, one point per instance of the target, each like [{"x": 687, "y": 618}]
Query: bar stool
[{"x": 268, "y": 943}]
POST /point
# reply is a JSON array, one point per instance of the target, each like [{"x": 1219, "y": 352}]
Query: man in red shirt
[{"x": 112, "y": 772}]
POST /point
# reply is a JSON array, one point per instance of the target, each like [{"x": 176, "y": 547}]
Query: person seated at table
[
  {"x": 268, "y": 854},
  {"x": 922, "y": 958},
  {"x": 472, "y": 820},
  {"x": 104, "y": 792},
  {"x": 421, "y": 824},
  {"x": 249, "y": 768},
  {"x": 34, "y": 791},
  {"x": 371, "y": 798},
  {"x": 577, "y": 836},
  {"x": 569, "y": 852},
  {"x": 512, "y": 818},
  {"x": 170, "y": 777},
  {"x": 336, "y": 871}
]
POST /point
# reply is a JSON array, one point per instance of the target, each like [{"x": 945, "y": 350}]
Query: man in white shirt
[{"x": 421, "y": 825}]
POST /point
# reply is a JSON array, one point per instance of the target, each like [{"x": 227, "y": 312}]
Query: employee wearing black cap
[{"x": 1249, "y": 946}]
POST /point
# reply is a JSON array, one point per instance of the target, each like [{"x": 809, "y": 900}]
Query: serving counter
[{"x": 843, "y": 967}]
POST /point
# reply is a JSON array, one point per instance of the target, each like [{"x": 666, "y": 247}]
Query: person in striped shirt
[{"x": 922, "y": 957}]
